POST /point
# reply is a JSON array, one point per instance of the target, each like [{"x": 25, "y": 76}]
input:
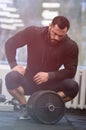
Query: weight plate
[
  {"x": 46, "y": 106},
  {"x": 30, "y": 104}
]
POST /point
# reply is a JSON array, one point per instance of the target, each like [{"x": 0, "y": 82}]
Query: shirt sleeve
[
  {"x": 70, "y": 62},
  {"x": 18, "y": 40}
]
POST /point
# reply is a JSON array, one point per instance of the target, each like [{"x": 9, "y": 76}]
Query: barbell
[{"x": 46, "y": 106}]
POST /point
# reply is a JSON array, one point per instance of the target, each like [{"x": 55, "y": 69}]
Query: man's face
[{"x": 56, "y": 34}]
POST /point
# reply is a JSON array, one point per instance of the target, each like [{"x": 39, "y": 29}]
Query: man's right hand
[{"x": 19, "y": 69}]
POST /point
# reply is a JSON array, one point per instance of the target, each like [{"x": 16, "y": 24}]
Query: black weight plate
[
  {"x": 30, "y": 104},
  {"x": 40, "y": 107},
  {"x": 41, "y": 110}
]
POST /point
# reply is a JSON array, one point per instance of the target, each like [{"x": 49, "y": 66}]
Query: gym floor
[{"x": 72, "y": 120}]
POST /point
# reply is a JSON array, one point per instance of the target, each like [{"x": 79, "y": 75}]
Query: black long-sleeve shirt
[{"x": 42, "y": 56}]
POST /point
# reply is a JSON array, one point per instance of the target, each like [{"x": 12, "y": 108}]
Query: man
[{"x": 48, "y": 49}]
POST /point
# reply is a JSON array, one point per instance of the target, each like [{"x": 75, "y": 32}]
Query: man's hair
[{"x": 61, "y": 21}]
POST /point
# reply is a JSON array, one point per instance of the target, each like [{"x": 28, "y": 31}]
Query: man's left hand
[{"x": 41, "y": 77}]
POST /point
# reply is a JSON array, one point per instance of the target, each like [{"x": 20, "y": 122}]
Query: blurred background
[{"x": 16, "y": 15}]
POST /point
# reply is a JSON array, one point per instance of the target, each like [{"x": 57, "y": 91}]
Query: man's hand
[
  {"x": 19, "y": 69},
  {"x": 41, "y": 77}
]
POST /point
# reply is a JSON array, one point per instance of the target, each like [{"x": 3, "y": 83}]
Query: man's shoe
[{"x": 24, "y": 114}]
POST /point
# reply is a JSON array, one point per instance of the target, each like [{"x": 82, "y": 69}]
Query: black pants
[{"x": 14, "y": 80}]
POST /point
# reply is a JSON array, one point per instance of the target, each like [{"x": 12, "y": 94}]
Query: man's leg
[
  {"x": 64, "y": 97},
  {"x": 70, "y": 89},
  {"x": 67, "y": 88},
  {"x": 14, "y": 82},
  {"x": 17, "y": 94}
]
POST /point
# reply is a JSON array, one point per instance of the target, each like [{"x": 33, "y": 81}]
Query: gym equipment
[
  {"x": 2, "y": 98},
  {"x": 46, "y": 106},
  {"x": 4, "y": 104},
  {"x": 15, "y": 103}
]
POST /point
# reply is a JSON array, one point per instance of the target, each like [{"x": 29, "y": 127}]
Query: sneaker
[{"x": 24, "y": 114}]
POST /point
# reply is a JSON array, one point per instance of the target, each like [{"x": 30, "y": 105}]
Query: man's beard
[{"x": 54, "y": 42}]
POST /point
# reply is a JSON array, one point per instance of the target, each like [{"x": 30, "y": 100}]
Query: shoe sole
[{"x": 23, "y": 118}]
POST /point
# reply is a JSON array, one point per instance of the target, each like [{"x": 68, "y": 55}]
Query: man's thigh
[{"x": 68, "y": 86}]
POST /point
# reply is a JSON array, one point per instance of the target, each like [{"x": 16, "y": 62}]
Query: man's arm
[
  {"x": 70, "y": 61},
  {"x": 70, "y": 67},
  {"x": 11, "y": 47},
  {"x": 19, "y": 40}
]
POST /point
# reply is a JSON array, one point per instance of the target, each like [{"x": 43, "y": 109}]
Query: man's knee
[
  {"x": 71, "y": 87},
  {"x": 74, "y": 88},
  {"x": 10, "y": 79}
]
